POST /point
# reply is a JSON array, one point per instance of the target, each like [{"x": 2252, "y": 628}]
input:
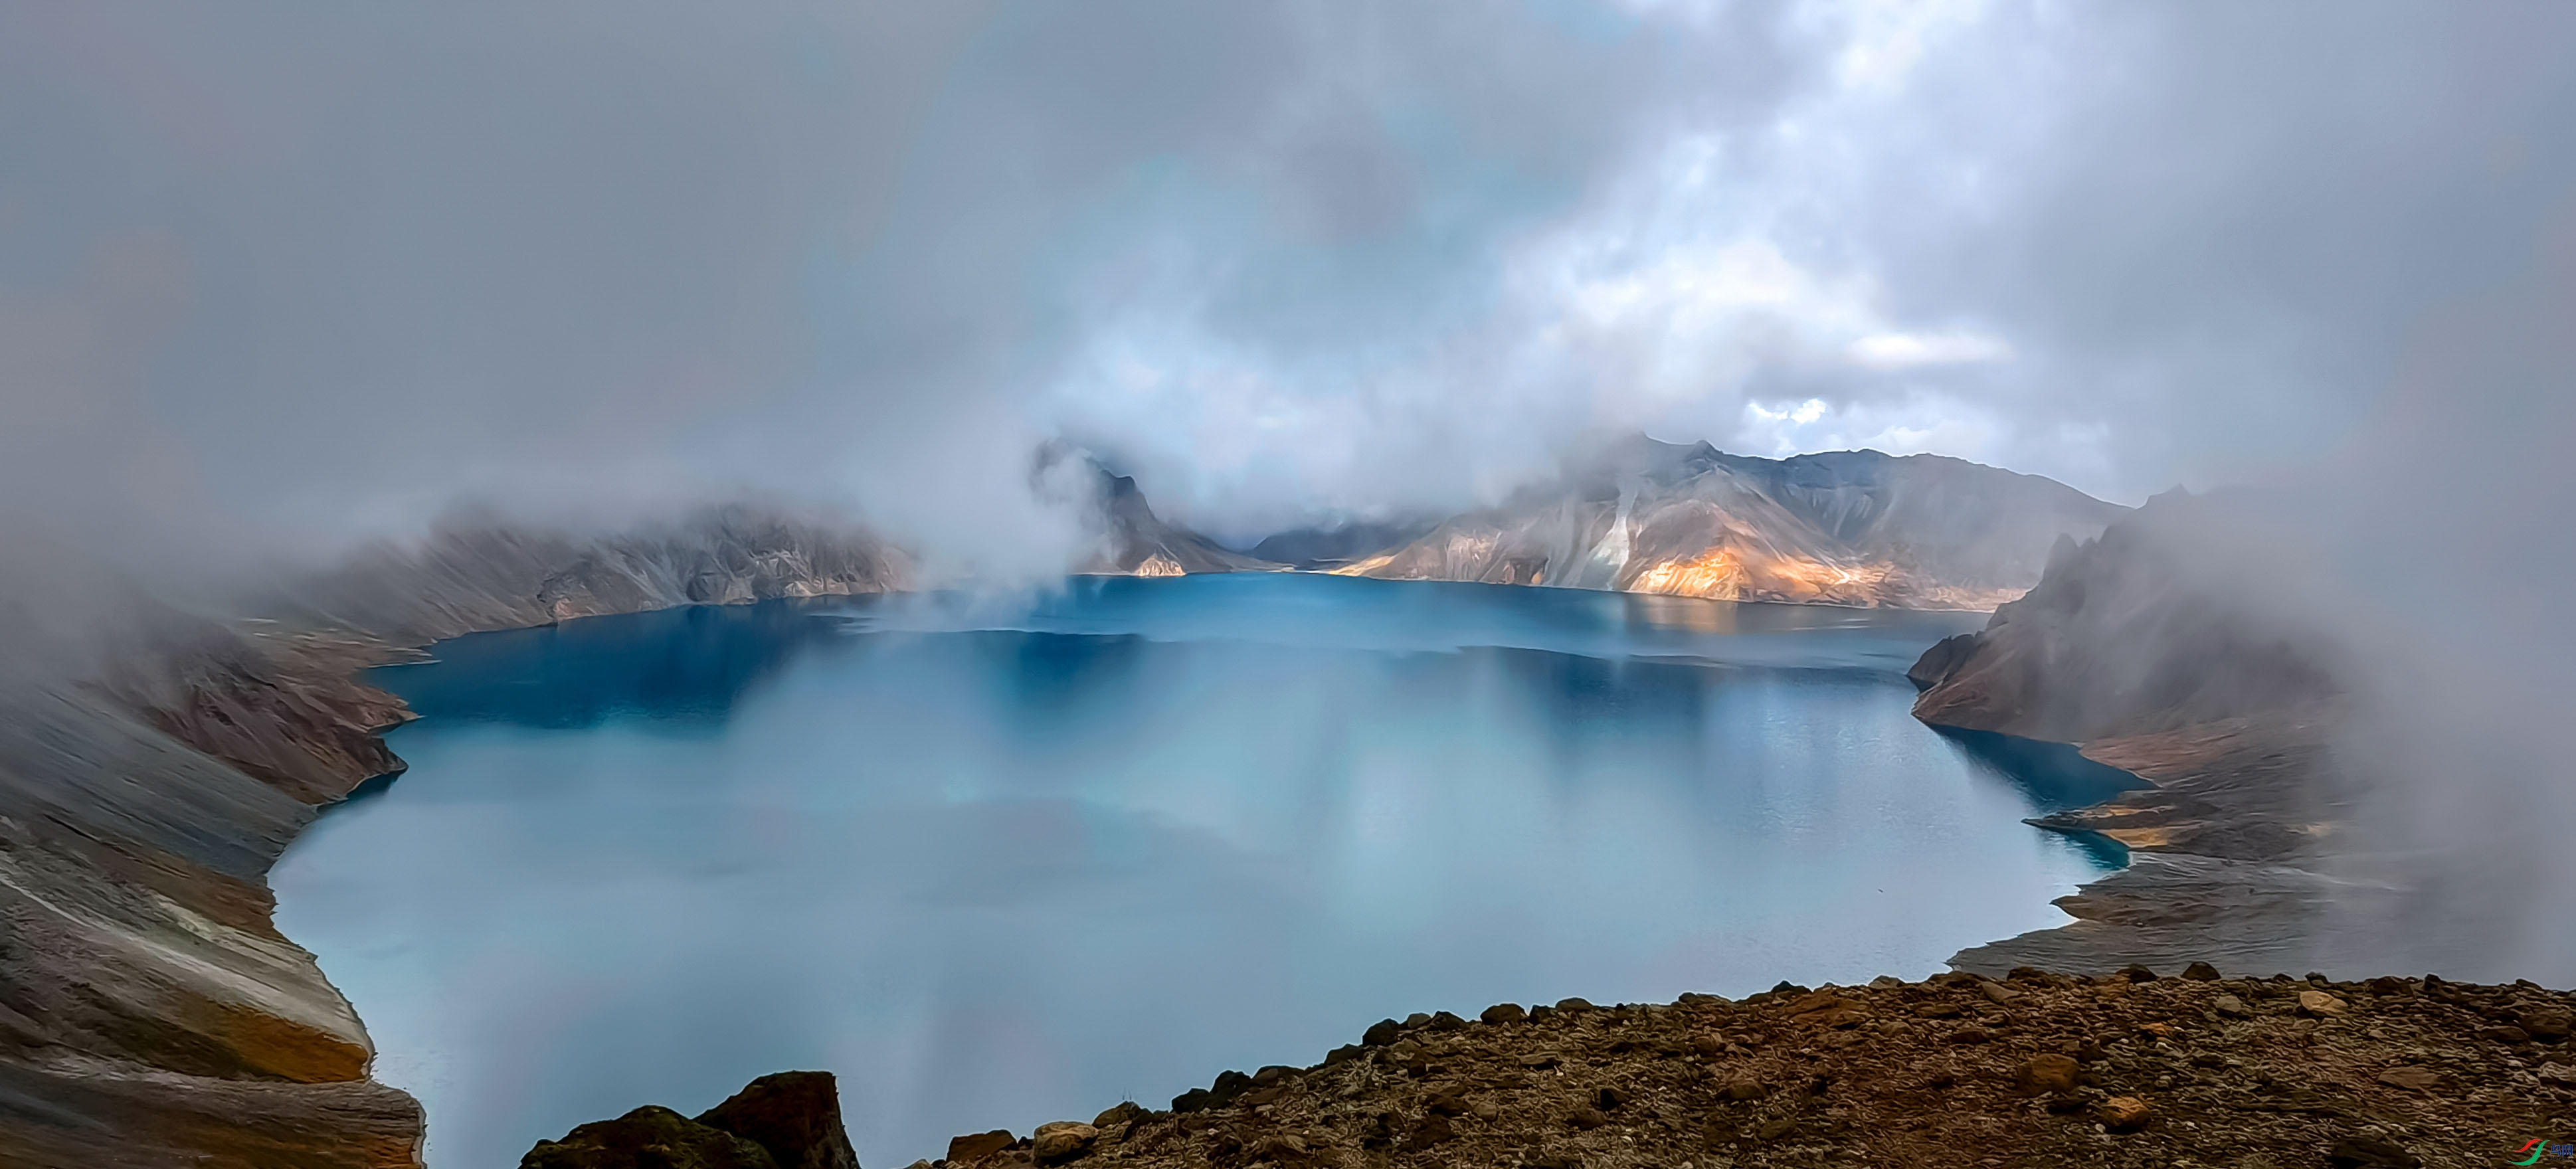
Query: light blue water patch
[{"x": 999, "y": 862}]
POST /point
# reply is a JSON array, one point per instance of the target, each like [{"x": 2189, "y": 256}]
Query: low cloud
[{"x": 279, "y": 280}]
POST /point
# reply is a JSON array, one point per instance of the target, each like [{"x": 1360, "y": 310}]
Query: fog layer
[{"x": 286, "y": 276}]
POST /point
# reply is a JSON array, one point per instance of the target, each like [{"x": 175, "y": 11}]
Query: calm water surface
[{"x": 1002, "y": 862}]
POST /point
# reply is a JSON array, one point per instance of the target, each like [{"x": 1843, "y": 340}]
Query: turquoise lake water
[{"x": 1000, "y": 861}]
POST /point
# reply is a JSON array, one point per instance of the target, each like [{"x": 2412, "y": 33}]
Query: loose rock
[
  {"x": 2046, "y": 1073},
  {"x": 2125, "y": 1114},
  {"x": 1063, "y": 1141},
  {"x": 973, "y": 1147}
]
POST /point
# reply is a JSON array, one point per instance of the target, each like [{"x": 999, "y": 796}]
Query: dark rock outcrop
[
  {"x": 651, "y": 1137},
  {"x": 1142, "y": 544},
  {"x": 794, "y": 1115},
  {"x": 1846, "y": 528},
  {"x": 790, "y": 1120}
]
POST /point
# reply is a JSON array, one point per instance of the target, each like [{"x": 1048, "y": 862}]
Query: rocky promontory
[
  {"x": 2145, "y": 650},
  {"x": 790, "y": 1120}
]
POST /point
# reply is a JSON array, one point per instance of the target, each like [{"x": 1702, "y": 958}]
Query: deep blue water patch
[{"x": 999, "y": 861}]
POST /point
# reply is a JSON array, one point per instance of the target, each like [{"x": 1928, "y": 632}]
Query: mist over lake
[{"x": 997, "y": 862}]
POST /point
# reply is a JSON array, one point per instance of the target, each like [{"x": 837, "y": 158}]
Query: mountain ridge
[{"x": 1857, "y": 528}]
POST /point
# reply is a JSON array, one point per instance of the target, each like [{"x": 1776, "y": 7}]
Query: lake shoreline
[
  {"x": 1319, "y": 651},
  {"x": 295, "y": 717}
]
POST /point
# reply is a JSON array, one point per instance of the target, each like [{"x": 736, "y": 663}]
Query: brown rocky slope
[{"x": 2033, "y": 1070}]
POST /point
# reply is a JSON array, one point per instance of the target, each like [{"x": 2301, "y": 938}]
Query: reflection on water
[
  {"x": 1003, "y": 862},
  {"x": 2055, "y": 776}
]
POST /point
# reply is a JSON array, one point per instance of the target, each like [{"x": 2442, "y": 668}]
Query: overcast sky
[{"x": 299, "y": 271}]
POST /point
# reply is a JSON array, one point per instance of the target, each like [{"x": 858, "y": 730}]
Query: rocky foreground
[{"x": 2032, "y": 1070}]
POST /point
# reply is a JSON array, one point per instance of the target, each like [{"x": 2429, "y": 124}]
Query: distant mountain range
[{"x": 1846, "y": 528}]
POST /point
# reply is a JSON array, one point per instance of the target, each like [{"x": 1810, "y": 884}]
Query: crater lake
[{"x": 996, "y": 861}]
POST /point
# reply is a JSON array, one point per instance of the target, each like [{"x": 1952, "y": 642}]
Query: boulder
[
  {"x": 794, "y": 1115},
  {"x": 1062, "y": 1141},
  {"x": 973, "y": 1147},
  {"x": 2125, "y": 1114},
  {"x": 2046, "y": 1074},
  {"x": 2548, "y": 1024}
]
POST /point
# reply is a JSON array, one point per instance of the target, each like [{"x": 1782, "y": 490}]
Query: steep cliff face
[
  {"x": 150, "y": 1013},
  {"x": 1140, "y": 543},
  {"x": 1848, "y": 528},
  {"x": 2144, "y": 649}
]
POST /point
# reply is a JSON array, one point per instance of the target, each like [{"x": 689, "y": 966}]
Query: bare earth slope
[
  {"x": 150, "y": 1013},
  {"x": 1847, "y": 528},
  {"x": 2037, "y": 1070}
]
